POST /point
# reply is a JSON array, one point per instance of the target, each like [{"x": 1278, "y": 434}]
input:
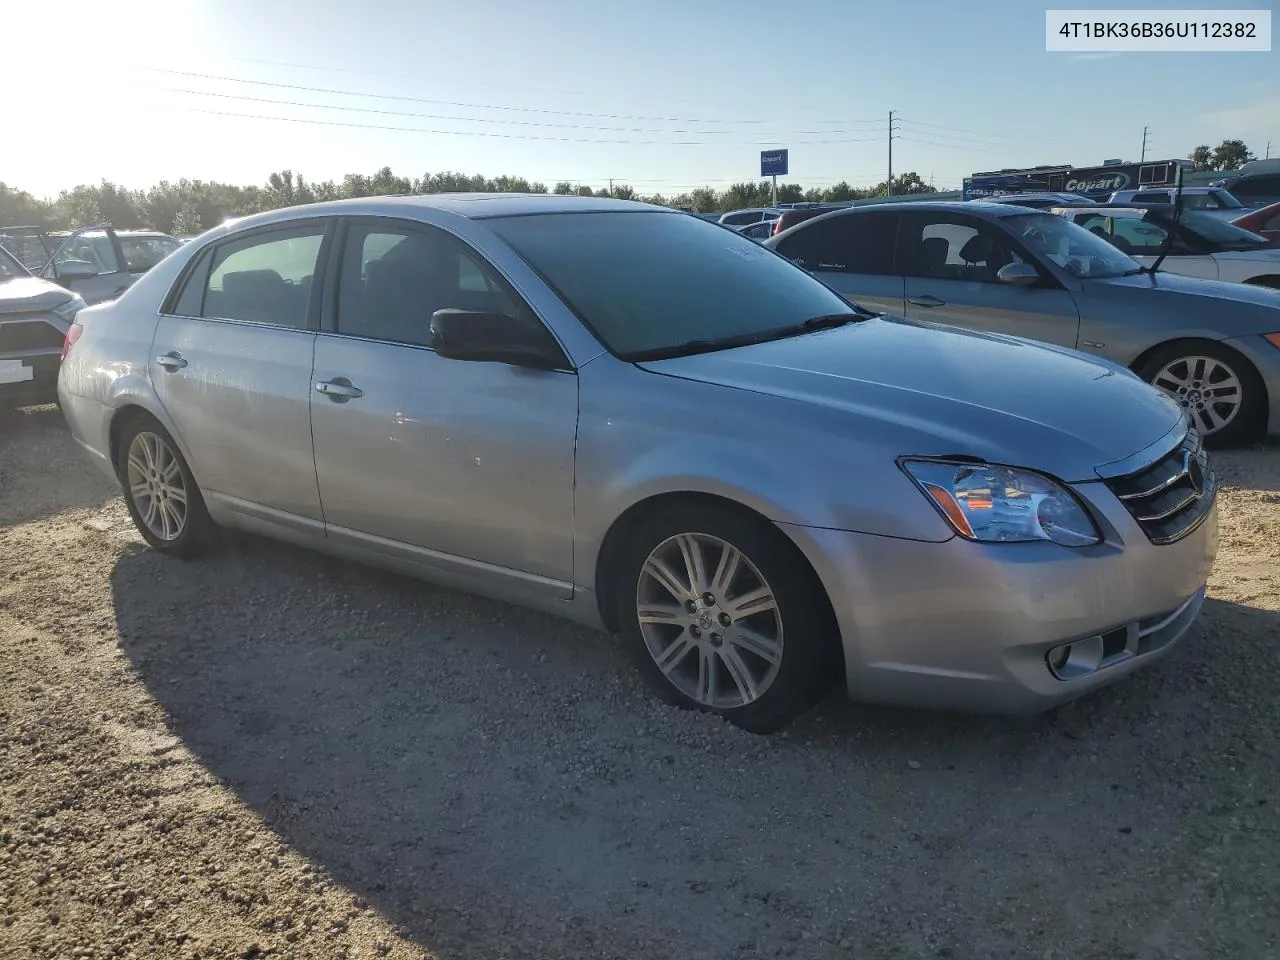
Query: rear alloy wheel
[
  {"x": 1219, "y": 390},
  {"x": 161, "y": 493},
  {"x": 722, "y": 614}
]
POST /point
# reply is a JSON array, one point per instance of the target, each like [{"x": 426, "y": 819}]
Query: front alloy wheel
[
  {"x": 1208, "y": 389},
  {"x": 710, "y": 621},
  {"x": 722, "y": 613}
]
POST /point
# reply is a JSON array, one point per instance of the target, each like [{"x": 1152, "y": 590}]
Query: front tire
[
  {"x": 160, "y": 492},
  {"x": 722, "y": 614},
  {"x": 1217, "y": 387}
]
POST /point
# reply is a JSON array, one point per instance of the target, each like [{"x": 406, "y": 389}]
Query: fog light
[{"x": 1073, "y": 660}]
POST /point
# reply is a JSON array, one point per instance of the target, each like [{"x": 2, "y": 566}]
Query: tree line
[
  {"x": 1228, "y": 155},
  {"x": 190, "y": 206}
]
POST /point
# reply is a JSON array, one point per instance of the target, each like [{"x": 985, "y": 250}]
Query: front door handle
[
  {"x": 927, "y": 301},
  {"x": 339, "y": 389},
  {"x": 171, "y": 360}
]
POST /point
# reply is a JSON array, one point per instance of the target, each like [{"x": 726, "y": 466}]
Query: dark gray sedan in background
[{"x": 1214, "y": 347}]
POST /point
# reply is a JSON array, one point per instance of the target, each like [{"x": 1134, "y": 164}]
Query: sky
[{"x": 663, "y": 95}]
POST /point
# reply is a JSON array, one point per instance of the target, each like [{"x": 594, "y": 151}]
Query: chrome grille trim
[{"x": 1170, "y": 495}]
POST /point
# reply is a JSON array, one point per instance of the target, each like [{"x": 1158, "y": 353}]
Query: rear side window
[
  {"x": 851, "y": 243},
  {"x": 264, "y": 278}
]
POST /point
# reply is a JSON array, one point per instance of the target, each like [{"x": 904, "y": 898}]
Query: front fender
[{"x": 637, "y": 439}]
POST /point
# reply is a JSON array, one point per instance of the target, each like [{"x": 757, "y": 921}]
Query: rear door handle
[
  {"x": 171, "y": 360},
  {"x": 339, "y": 389},
  {"x": 927, "y": 301}
]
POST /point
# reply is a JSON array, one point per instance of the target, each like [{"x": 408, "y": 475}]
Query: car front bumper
[{"x": 965, "y": 625}]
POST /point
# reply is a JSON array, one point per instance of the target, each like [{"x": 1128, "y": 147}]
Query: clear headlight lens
[
  {"x": 1003, "y": 504},
  {"x": 68, "y": 309}
]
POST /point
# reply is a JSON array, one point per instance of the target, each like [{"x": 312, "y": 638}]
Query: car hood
[
  {"x": 1252, "y": 308},
  {"x": 943, "y": 391},
  {"x": 26, "y": 294}
]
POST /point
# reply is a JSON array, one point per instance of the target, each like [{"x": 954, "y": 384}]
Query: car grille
[
  {"x": 29, "y": 335},
  {"x": 1170, "y": 497}
]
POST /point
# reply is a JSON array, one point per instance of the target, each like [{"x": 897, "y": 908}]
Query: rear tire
[
  {"x": 722, "y": 614},
  {"x": 1216, "y": 386},
  {"x": 159, "y": 490}
]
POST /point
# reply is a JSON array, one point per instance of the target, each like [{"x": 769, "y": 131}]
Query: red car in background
[{"x": 1264, "y": 221}]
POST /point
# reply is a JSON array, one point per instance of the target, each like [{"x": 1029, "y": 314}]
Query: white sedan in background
[{"x": 1202, "y": 246}]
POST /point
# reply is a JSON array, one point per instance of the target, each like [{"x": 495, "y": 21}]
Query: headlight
[
  {"x": 68, "y": 309},
  {"x": 1003, "y": 504}
]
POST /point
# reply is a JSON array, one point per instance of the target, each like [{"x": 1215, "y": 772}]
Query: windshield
[
  {"x": 1217, "y": 233},
  {"x": 646, "y": 282},
  {"x": 1077, "y": 251},
  {"x": 9, "y": 267}
]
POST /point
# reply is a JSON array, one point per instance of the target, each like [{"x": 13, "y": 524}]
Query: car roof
[
  {"x": 474, "y": 206},
  {"x": 981, "y": 207}
]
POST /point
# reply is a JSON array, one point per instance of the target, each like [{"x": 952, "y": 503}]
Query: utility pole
[
  {"x": 611, "y": 188},
  {"x": 888, "y": 188},
  {"x": 1144, "y": 146},
  {"x": 1268, "y": 156}
]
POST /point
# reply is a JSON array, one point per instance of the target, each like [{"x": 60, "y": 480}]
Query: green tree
[
  {"x": 839, "y": 191},
  {"x": 563, "y": 189},
  {"x": 1201, "y": 158},
  {"x": 1231, "y": 155},
  {"x": 790, "y": 193},
  {"x": 19, "y": 208},
  {"x": 703, "y": 200}
]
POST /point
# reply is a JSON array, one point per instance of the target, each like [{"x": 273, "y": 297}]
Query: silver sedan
[{"x": 650, "y": 424}]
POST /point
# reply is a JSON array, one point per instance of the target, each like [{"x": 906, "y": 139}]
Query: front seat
[{"x": 933, "y": 256}]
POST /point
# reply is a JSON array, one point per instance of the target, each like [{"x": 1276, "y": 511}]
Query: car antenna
[{"x": 1173, "y": 224}]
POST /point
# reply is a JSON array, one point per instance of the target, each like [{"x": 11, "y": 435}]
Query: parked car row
[
  {"x": 98, "y": 262},
  {"x": 35, "y": 316},
  {"x": 1214, "y": 347},
  {"x": 647, "y": 423}
]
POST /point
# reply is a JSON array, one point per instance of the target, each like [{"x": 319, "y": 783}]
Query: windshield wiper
[{"x": 690, "y": 347}]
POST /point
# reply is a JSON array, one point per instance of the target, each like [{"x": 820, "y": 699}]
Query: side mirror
[
  {"x": 493, "y": 337},
  {"x": 74, "y": 270},
  {"x": 1018, "y": 274}
]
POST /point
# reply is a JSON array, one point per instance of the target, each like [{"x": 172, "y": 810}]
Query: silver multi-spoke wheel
[
  {"x": 710, "y": 620},
  {"x": 1208, "y": 389},
  {"x": 156, "y": 486}
]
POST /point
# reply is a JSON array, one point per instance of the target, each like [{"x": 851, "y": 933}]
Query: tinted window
[
  {"x": 188, "y": 302},
  {"x": 648, "y": 282},
  {"x": 738, "y": 219},
  {"x": 9, "y": 267},
  {"x": 92, "y": 246},
  {"x": 1273, "y": 223},
  {"x": 264, "y": 278},
  {"x": 945, "y": 247},
  {"x": 393, "y": 279},
  {"x": 1253, "y": 187},
  {"x": 1141, "y": 237},
  {"x": 849, "y": 243}
]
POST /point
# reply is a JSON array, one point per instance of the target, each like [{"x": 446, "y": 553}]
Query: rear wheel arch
[{"x": 1270, "y": 280}]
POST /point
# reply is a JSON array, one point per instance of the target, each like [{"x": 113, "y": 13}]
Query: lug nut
[
  {"x": 708, "y": 599},
  {"x": 691, "y": 606},
  {"x": 724, "y": 620},
  {"x": 695, "y": 632},
  {"x": 716, "y": 639}
]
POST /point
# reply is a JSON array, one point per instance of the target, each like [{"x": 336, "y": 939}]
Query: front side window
[
  {"x": 652, "y": 284},
  {"x": 1211, "y": 232},
  {"x": 393, "y": 279},
  {"x": 264, "y": 278},
  {"x": 847, "y": 243},
  {"x": 92, "y": 246},
  {"x": 946, "y": 247}
]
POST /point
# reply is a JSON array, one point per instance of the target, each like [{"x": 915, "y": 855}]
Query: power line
[
  {"x": 943, "y": 126},
  {"x": 482, "y": 133},
  {"x": 451, "y": 103},
  {"x": 442, "y": 116}
]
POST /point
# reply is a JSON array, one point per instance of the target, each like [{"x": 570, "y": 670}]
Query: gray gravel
[{"x": 267, "y": 752}]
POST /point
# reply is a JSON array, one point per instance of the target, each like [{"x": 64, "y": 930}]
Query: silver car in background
[
  {"x": 647, "y": 423},
  {"x": 1212, "y": 346}
]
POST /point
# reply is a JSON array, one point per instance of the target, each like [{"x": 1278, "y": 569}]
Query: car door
[
  {"x": 99, "y": 247},
  {"x": 231, "y": 364},
  {"x": 950, "y": 262},
  {"x": 853, "y": 254},
  {"x": 461, "y": 466}
]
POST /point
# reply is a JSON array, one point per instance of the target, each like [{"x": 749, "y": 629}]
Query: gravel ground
[{"x": 266, "y": 752}]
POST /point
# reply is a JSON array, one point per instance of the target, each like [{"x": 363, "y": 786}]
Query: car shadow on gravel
[
  {"x": 42, "y": 471},
  {"x": 471, "y": 769}
]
